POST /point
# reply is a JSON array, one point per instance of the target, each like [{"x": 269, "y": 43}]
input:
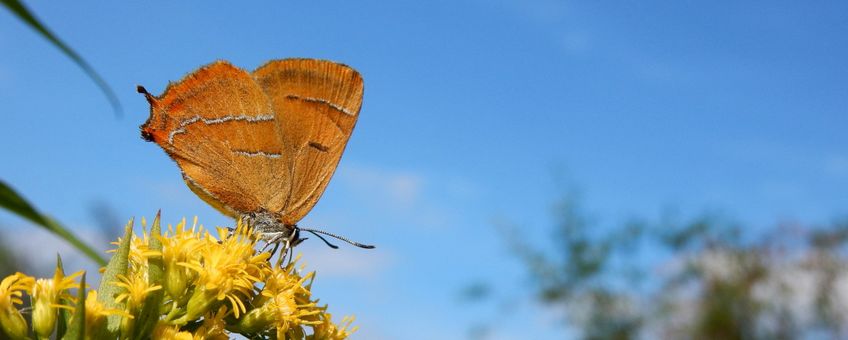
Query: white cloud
[
  {"x": 170, "y": 190},
  {"x": 575, "y": 42},
  {"x": 401, "y": 189},
  {"x": 38, "y": 248},
  {"x": 407, "y": 196},
  {"x": 461, "y": 188},
  {"x": 404, "y": 188},
  {"x": 836, "y": 165},
  {"x": 543, "y": 11},
  {"x": 5, "y": 77},
  {"x": 370, "y": 333},
  {"x": 349, "y": 262}
]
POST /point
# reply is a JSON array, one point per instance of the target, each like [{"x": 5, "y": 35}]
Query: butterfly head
[
  {"x": 151, "y": 130},
  {"x": 270, "y": 228}
]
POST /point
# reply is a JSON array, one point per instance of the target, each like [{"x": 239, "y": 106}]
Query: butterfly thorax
[{"x": 269, "y": 227}]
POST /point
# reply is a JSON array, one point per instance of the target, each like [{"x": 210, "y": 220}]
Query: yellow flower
[
  {"x": 139, "y": 250},
  {"x": 136, "y": 290},
  {"x": 284, "y": 305},
  {"x": 327, "y": 330},
  {"x": 214, "y": 326},
  {"x": 180, "y": 246},
  {"x": 11, "y": 320},
  {"x": 226, "y": 269},
  {"x": 95, "y": 316},
  {"x": 211, "y": 288},
  {"x": 46, "y": 296},
  {"x": 165, "y": 331}
]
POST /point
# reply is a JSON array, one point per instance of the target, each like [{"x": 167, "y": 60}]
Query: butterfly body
[{"x": 259, "y": 146}]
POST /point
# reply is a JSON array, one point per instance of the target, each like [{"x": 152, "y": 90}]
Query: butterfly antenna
[
  {"x": 316, "y": 232},
  {"x": 273, "y": 251},
  {"x": 323, "y": 239},
  {"x": 150, "y": 98}
]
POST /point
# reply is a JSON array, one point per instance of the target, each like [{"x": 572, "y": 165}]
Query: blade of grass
[
  {"x": 12, "y": 201},
  {"x": 18, "y": 8}
]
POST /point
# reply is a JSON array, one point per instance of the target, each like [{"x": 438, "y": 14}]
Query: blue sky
[{"x": 471, "y": 111}]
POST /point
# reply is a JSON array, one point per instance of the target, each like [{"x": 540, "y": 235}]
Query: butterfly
[{"x": 259, "y": 146}]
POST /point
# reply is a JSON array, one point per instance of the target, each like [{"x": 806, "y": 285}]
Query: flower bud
[
  {"x": 44, "y": 314},
  {"x": 13, "y": 323},
  {"x": 11, "y": 320}
]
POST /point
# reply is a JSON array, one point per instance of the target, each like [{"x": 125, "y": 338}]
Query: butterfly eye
[{"x": 147, "y": 136}]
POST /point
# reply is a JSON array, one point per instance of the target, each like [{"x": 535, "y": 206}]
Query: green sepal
[
  {"x": 150, "y": 313},
  {"x": 106, "y": 293},
  {"x": 76, "y": 323},
  {"x": 64, "y": 314}
]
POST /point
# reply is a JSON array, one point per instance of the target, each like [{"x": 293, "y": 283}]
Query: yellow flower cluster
[{"x": 183, "y": 284}]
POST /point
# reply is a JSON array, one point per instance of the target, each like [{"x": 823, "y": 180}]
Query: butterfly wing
[
  {"x": 219, "y": 127},
  {"x": 316, "y": 104}
]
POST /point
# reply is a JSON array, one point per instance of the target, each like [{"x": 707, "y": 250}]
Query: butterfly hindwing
[{"x": 316, "y": 103}]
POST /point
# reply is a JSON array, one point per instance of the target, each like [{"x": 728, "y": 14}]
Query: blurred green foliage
[{"x": 705, "y": 278}]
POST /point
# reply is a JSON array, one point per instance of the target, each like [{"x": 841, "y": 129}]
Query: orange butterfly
[{"x": 259, "y": 146}]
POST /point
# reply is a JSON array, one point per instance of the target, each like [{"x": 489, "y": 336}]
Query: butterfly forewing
[
  {"x": 219, "y": 127},
  {"x": 316, "y": 104}
]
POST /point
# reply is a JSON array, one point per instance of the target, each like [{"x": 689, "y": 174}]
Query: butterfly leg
[
  {"x": 273, "y": 251},
  {"x": 287, "y": 252},
  {"x": 230, "y": 232},
  {"x": 289, "y": 242},
  {"x": 268, "y": 243},
  {"x": 278, "y": 239},
  {"x": 291, "y": 256}
]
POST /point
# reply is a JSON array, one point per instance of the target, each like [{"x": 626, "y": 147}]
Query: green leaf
[
  {"x": 24, "y": 14},
  {"x": 76, "y": 326},
  {"x": 149, "y": 314},
  {"x": 118, "y": 265},
  {"x": 12, "y": 201}
]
